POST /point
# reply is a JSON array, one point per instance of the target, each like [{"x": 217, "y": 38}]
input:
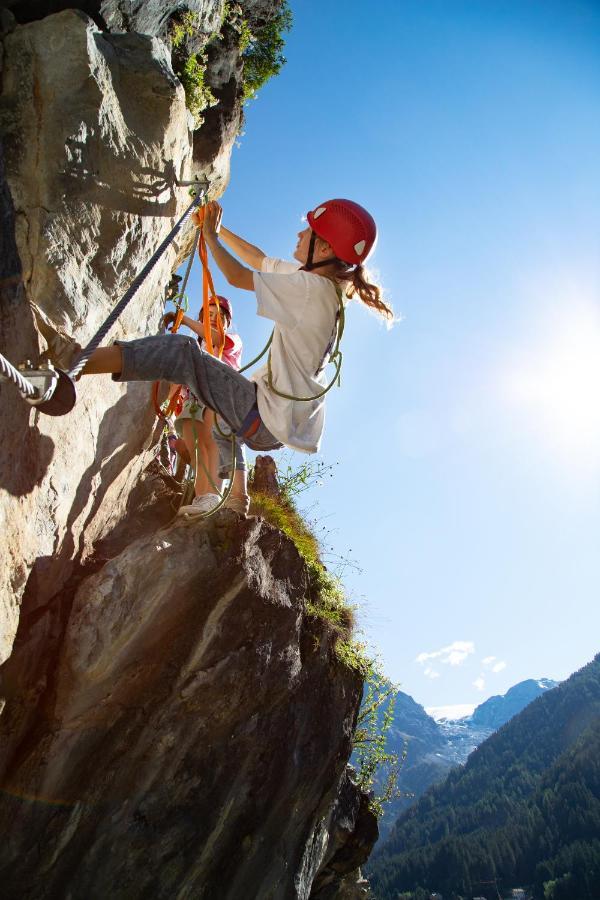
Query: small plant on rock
[
  {"x": 190, "y": 66},
  {"x": 327, "y": 600},
  {"x": 261, "y": 45},
  {"x": 377, "y": 767}
]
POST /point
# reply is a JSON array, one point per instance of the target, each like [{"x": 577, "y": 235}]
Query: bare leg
[
  {"x": 202, "y": 462},
  {"x": 104, "y": 360},
  {"x": 239, "y": 490},
  {"x": 211, "y": 446}
]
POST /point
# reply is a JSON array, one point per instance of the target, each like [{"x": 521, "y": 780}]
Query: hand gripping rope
[{"x": 51, "y": 390}]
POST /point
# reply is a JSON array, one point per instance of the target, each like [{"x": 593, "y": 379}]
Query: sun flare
[{"x": 555, "y": 382}]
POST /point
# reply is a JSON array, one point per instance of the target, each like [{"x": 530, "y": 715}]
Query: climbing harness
[
  {"x": 51, "y": 390},
  {"x": 335, "y": 357}
]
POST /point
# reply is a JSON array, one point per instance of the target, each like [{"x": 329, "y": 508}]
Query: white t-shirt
[{"x": 304, "y": 308}]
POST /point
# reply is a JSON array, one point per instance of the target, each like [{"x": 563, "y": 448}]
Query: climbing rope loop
[{"x": 48, "y": 389}]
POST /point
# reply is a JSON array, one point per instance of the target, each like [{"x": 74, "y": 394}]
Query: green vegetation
[
  {"x": 326, "y": 597},
  {"x": 377, "y": 767},
  {"x": 262, "y": 49},
  {"x": 327, "y": 603},
  {"x": 190, "y": 68},
  {"x": 260, "y": 43},
  {"x": 198, "y": 95},
  {"x": 524, "y": 810},
  {"x": 182, "y": 27},
  {"x": 326, "y": 600}
]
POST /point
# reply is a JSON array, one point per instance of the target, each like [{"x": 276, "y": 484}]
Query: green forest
[{"x": 524, "y": 811}]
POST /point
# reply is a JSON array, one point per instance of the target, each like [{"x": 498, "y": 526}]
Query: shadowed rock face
[
  {"x": 95, "y": 129},
  {"x": 94, "y": 132},
  {"x": 177, "y": 726}
]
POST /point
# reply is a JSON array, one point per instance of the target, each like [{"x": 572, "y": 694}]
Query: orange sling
[{"x": 175, "y": 404}]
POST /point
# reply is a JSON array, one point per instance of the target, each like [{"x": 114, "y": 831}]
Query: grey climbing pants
[{"x": 178, "y": 359}]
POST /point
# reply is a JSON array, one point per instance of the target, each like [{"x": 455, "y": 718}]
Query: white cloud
[
  {"x": 479, "y": 683},
  {"x": 454, "y": 654},
  {"x": 490, "y": 663},
  {"x": 431, "y": 673}
]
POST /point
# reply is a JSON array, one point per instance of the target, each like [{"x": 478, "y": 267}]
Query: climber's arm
[
  {"x": 235, "y": 273},
  {"x": 251, "y": 255},
  {"x": 194, "y": 325}
]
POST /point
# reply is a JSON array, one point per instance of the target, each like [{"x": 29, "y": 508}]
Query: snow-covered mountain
[
  {"x": 499, "y": 709},
  {"x": 434, "y": 747}
]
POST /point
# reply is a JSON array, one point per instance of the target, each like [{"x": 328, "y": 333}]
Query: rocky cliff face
[
  {"x": 177, "y": 726},
  {"x": 174, "y": 723},
  {"x": 95, "y": 137}
]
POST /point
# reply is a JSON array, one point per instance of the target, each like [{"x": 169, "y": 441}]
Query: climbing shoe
[{"x": 200, "y": 506}]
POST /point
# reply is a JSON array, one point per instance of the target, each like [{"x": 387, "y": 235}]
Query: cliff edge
[{"x": 177, "y": 725}]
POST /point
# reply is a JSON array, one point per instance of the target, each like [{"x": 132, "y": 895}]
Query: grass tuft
[{"x": 327, "y": 601}]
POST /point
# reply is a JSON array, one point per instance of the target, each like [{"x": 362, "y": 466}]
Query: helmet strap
[{"x": 309, "y": 265}]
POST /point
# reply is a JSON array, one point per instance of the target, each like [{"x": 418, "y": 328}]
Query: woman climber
[
  {"x": 282, "y": 404},
  {"x": 195, "y": 424}
]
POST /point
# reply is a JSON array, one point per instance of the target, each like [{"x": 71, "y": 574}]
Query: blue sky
[{"x": 466, "y": 440}]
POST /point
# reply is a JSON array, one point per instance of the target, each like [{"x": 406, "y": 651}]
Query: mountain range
[
  {"x": 523, "y": 811},
  {"x": 434, "y": 747}
]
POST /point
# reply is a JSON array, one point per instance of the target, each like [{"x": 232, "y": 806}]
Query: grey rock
[
  {"x": 176, "y": 725},
  {"x": 94, "y": 134},
  {"x": 95, "y": 130},
  {"x": 150, "y": 17}
]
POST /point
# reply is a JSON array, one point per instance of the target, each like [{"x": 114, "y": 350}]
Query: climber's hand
[
  {"x": 212, "y": 220},
  {"x": 168, "y": 319}
]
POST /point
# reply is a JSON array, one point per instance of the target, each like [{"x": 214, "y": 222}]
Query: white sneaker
[{"x": 200, "y": 506}]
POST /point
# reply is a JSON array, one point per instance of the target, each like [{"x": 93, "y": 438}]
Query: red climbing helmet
[
  {"x": 224, "y": 304},
  {"x": 347, "y": 226}
]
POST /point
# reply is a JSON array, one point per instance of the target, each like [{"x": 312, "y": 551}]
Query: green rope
[
  {"x": 335, "y": 358},
  {"x": 260, "y": 355}
]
